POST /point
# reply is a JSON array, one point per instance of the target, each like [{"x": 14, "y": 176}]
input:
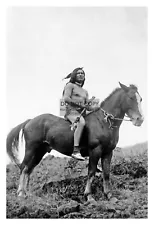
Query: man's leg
[
  {"x": 77, "y": 135},
  {"x": 78, "y": 131}
]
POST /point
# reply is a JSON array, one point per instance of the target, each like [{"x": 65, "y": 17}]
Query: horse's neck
[{"x": 113, "y": 105}]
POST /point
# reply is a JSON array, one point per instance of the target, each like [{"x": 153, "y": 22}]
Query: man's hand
[
  {"x": 83, "y": 106},
  {"x": 89, "y": 101}
]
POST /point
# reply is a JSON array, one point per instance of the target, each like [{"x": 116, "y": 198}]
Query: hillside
[{"x": 56, "y": 182}]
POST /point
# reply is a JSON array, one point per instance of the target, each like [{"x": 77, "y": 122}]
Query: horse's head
[{"x": 132, "y": 104}]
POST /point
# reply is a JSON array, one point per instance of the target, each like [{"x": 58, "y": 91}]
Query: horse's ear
[{"x": 124, "y": 87}]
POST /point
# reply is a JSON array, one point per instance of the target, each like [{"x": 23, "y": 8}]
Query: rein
[{"x": 108, "y": 117}]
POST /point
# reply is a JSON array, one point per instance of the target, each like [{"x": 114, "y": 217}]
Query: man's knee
[{"x": 82, "y": 121}]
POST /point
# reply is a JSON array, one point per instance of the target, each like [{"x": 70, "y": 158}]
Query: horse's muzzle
[
  {"x": 136, "y": 118},
  {"x": 137, "y": 121}
]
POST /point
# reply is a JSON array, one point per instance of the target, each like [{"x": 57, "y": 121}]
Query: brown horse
[{"x": 99, "y": 138}]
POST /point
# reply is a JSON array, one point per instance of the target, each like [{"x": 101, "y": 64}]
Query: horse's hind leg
[
  {"x": 24, "y": 177},
  {"x": 24, "y": 173},
  {"x": 105, "y": 161},
  {"x": 31, "y": 159}
]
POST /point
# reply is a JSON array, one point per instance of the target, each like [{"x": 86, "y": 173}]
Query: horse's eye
[{"x": 131, "y": 98}]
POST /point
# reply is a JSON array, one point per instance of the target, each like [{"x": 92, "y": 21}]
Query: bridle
[{"x": 109, "y": 118}]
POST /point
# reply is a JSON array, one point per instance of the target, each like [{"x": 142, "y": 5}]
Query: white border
[{"x": 3, "y": 7}]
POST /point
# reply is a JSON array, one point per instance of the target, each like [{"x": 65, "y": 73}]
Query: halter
[{"x": 109, "y": 117}]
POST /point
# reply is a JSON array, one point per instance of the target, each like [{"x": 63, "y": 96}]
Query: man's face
[{"x": 80, "y": 76}]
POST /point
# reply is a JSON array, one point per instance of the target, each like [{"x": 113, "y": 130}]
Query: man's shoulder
[
  {"x": 69, "y": 85},
  {"x": 85, "y": 90}
]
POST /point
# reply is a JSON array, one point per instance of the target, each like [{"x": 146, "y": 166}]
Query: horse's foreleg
[
  {"x": 87, "y": 192},
  {"x": 105, "y": 161},
  {"x": 93, "y": 161}
]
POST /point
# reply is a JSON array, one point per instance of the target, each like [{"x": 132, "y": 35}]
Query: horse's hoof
[
  {"x": 108, "y": 195},
  {"x": 99, "y": 170},
  {"x": 113, "y": 200},
  {"x": 21, "y": 194},
  {"x": 91, "y": 201}
]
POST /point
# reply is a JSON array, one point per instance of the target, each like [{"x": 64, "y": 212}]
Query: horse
[{"x": 99, "y": 138}]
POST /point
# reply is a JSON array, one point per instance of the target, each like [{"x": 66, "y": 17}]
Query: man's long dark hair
[{"x": 72, "y": 76}]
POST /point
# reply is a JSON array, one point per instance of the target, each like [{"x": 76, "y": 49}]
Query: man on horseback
[
  {"x": 46, "y": 131},
  {"x": 76, "y": 99}
]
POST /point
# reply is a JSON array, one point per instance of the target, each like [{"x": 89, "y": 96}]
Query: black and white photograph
[{"x": 76, "y": 98}]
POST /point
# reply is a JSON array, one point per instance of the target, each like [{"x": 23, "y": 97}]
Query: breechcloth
[{"x": 78, "y": 131}]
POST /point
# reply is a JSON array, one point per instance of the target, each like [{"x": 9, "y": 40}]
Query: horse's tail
[{"x": 12, "y": 142}]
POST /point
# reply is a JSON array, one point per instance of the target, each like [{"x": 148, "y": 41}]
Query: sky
[{"x": 44, "y": 44}]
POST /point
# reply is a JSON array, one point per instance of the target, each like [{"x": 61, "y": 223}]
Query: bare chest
[{"x": 79, "y": 92}]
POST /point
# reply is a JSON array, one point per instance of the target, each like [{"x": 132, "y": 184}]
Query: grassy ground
[{"x": 60, "y": 181}]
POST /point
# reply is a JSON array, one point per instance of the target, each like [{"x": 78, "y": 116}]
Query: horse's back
[
  {"x": 43, "y": 119},
  {"x": 38, "y": 127},
  {"x": 47, "y": 116}
]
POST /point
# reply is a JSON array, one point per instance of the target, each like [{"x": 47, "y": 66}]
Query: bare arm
[{"x": 91, "y": 106}]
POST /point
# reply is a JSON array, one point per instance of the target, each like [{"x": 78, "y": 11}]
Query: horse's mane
[
  {"x": 110, "y": 95},
  {"x": 132, "y": 86}
]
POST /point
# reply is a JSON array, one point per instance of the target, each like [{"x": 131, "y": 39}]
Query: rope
[
  {"x": 74, "y": 124},
  {"x": 108, "y": 115}
]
